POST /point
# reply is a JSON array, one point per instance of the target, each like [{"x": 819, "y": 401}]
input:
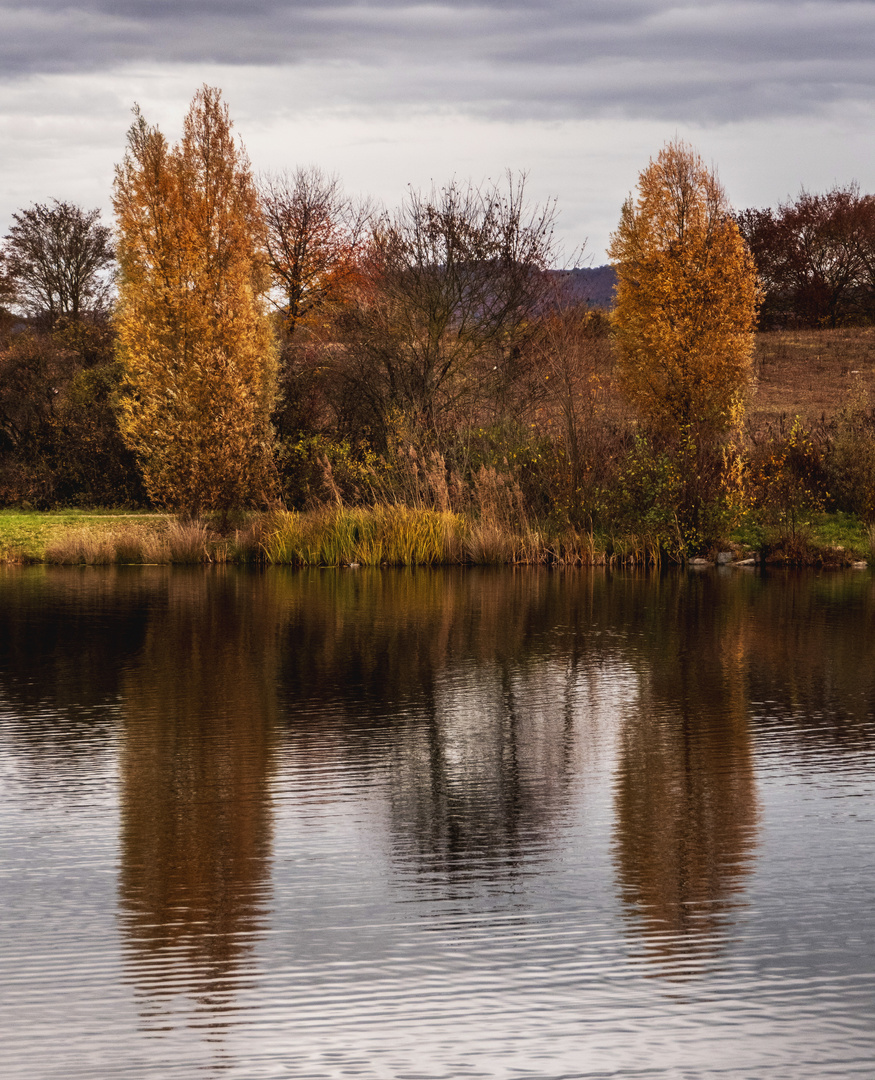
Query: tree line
[
  {"x": 242, "y": 341},
  {"x": 815, "y": 255}
]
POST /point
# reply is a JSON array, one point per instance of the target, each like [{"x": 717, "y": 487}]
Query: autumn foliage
[
  {"x": 194, "y": 335},
  {"x": 283, "y": 344},
  {"x": 686, "y": 297},
  {"x": 314, "y": 236},
  {"x": 816, "y": 257}
]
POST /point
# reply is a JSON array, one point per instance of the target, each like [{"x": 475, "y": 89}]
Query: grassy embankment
[
  {"x": 388, "y": 536},
  {"x": 332, "y": 536},
  {"x": 807, "y": 374}
]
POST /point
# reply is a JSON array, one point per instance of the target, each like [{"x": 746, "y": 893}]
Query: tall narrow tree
[
  {"x": 686, "y": 297},
  {"x": 194, "y": 333},
  {"x": 685, "y": 313}
]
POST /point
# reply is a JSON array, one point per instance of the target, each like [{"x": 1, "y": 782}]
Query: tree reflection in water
[
  {"x": 686, "y": 804},
  {"x": 454, "y": 682},
  {"x": 457, "y": 722},
  {"x": 65, "y": 638},
  {"x": 198, "y": 726}
]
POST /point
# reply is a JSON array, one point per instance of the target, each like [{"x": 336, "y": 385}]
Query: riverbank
[{"x": 393, "y": 535}]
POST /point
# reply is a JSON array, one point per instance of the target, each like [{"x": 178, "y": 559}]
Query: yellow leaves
[
  {"x": 686, "y": 296},
  {"x": 193, "y": 332}
]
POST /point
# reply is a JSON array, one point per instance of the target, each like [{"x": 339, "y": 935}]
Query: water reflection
[
  {"x": 65, "y": 637},
  {"x": 481, "y": 784},
  {"x": 449, "y": 723},
  {"x": 686, "y": 803},
  {"x": 198, "y": 723},
  {"x": 454, "y": 690},
  {"x": 812, "y": 667}
]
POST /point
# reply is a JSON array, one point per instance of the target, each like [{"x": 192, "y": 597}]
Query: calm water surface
[{"x": 436, "y": 824}]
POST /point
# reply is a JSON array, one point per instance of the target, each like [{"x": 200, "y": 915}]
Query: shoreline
[{"x": 394, "y": 535}]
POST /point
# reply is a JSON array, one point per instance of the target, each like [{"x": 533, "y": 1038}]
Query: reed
[
  {"x": 130, "y": 546},
  {"x": 187, "y": 542},
  {"x": 392, "y": 535},
  {"x": 384, "y": 535},
  {"x": 573, "y": 548},
  {"x": 489, "y": 544},
  {"x": 81, "y": 547},
  {"x": 247, "y": 545},
  {"x": 635, "y": 549}
]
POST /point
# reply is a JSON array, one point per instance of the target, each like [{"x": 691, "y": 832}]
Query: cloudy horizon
[{"x": 579, "y": 95}]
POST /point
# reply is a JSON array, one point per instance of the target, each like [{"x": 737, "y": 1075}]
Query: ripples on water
[{"x": 436, "y": 824}]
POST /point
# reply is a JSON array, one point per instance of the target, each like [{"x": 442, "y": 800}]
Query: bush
[
  {"x": 786, "y": 476},
  {"x": 676, "y": 496},
  {"x": 850, "y": 463},
  {"x": 315, "y": 469}
]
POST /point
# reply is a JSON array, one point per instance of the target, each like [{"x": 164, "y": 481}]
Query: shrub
[
  {"x": 850, "y": 463},
  {"x": 316, "y": 469},
  {"x": 786, "y": 476}
]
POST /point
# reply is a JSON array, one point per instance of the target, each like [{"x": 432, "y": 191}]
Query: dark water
[{"x": 436, "y": 824}]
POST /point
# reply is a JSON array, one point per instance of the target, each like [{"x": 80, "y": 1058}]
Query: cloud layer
[
  {"x": 776, "y": 93},
  {"x": 699, "y": 62}
]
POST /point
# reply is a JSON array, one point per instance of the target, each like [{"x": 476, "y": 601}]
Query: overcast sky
[{"x": 578, "y": 93}]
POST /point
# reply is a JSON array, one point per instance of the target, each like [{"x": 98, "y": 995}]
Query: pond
[{"x": 436, "y": 824}]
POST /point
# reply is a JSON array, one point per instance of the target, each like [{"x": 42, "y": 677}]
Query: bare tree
[
  {"x": 7, "y": 290},
  {"x": 570, "y": 368},
  {"x": 314, "y": 235},
  {"x": 824, "y": 263},
  {"x": 448, "y": 290},
  {"x": 58, "y": 257},
  {"x": 864, "y": 239}
]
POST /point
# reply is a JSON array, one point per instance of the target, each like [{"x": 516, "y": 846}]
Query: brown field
[{"x": 812, "y": 374}]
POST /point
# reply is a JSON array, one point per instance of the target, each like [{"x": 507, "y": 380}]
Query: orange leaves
[
  {"x": 193, "y": 332},
  {"x": 686, "y": 296}
]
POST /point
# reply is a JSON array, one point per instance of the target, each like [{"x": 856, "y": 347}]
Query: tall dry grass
[
  {"x": 81, "y": 546},
  {"x": 392, "y": 535},
  {"x": 381, "y": 535},
  {"x": 387, "y": 535},
  {"x": 178, "y": 542},
  {"x": 91, "y": 547}
]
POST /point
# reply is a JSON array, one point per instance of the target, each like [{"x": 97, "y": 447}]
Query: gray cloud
[{"x": 696, "y": 61}]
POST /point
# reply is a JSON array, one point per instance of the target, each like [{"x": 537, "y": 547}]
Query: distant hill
[{"x": 592, "y": 285}]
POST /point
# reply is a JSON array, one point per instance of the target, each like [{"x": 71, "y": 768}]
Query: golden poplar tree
[
  {"x": 686, "y": 298},
  {"x": 194, "y": 334}
]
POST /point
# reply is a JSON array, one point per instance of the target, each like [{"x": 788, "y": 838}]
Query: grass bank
[
  {"x": 29, "y": 536},
  {"x": 829, "y": 540},
  {"x": 388, "y": 535}
]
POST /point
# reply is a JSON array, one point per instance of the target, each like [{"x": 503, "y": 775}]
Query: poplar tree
[
  {"x": 686, "y": 298},
  {"x": 194, "y": 335}
]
